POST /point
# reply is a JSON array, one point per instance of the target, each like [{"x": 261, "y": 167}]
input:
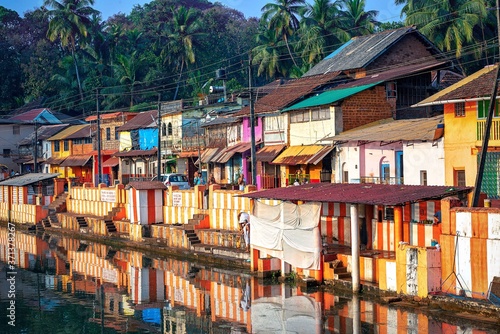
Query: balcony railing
[{"x": 494, "y": 131}]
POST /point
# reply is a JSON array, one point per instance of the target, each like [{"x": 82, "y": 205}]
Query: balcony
[{"x": 494, "y": 131}]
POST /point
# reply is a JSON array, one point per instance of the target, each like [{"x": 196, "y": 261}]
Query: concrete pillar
[
  {"x": 398, "y": 225},
  {"x": 355, "y": 248}
]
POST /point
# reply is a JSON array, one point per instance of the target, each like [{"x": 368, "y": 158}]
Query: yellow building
[{"x": 465, "y": 106}]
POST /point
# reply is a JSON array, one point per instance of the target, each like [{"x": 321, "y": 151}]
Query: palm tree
[
  {"x": 128, "y": 69},
  {"x": 282, "y": 18},
  {"x": 356, "y": 20},
  {"x": 320, "y": 30},
  {"x": 449, "y": 24},
  {"x": 69, "y": 22},
  {"x": 269, "y": 54},
  {"x": 182, "y": 33}
]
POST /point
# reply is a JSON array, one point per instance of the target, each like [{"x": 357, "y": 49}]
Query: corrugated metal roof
[
  {"x": 67, "y": 132},
  {"x": 26, "y": 179},
  {"x": 76, "y": 160},
  {"x": 41, "y": 116},
  {"x": 188, "y": 154},
  {"x": 328, "y": 97},
  {"x": 360, "y": 51},
  {"x": 299, "y": 155},
  {"x": 363, "y": 193},
  {"x": 44, "y": 132},
  {"x": 111, "y": 162},
  {"x": 289, "y": 93},
  {"x": 146, "y": 185},
  {"x": 476, "y": 85},
  {"x": 208, "y": 154},
  {"x": 125, "y": 114},
  {"x": 269, "y": 153},
  {"x": 55, "y": 160},
  {"x": 136, "y": 153},
  {"x": 143, "y": 120},
  {"x": 390, "y": 130}
]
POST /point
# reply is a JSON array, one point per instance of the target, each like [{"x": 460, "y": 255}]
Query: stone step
[
  {"x": 342, "y": 275},
  {"x": 340, "y": 270}
]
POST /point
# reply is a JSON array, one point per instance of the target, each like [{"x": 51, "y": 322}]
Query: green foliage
[{"x": 63, "y": 52}]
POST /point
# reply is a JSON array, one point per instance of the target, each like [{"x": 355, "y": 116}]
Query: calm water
[{"x": 63, "y": 285}]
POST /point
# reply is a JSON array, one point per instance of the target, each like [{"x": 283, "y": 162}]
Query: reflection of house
[{"x": 392, "y": 152}]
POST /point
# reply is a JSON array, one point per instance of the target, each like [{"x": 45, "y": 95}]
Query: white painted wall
[
  {"x": 313, "y": 132},
  {"x": 347, "y": 158},
  {"x": 424, "y": 156}
]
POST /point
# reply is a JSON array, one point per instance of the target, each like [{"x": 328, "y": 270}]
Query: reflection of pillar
[
  {"x": 356, "y": 315},
  {"x": 398, "y": 225},
  {"x": 355, "y": 248}
]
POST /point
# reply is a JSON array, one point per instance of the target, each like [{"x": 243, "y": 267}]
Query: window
[
  {"x": 117, "y": 134},
  {"x": 169, "y": 129},
  {"x": 460, "y": 109},
  {"x": 16, "y": 129},
  {"x": 459, "y": 178},
  {"x": 345, "y": 176},
  {"x": 299, "y": 116},
  {"x": 108, "y": 134},
  {"x": 389, "y": 213},
  {"x": 320, "y": 114},
  {"x": 163, "y": 129},
  {"x": 66, "y": 145},
  {"x": 57, "y": 146},
  {"x": 483, "y": 108},
  {"x": 423, "y": 177},
  {"x": 390, "y": 89},
  {"x": 6, "y": 153}
]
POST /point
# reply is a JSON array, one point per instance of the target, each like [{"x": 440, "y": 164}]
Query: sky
[{"x": 388, "y": 12}]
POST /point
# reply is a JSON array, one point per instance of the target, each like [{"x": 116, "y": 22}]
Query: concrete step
[
  {"x": 340, "y": 270},
  {"x": 342, "y": 275}
]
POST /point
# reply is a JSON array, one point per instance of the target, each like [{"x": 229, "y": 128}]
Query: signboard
[
  {"x": 177, "y": 199},
  {"x": 108, "y": 196},
  {"x": 109, "y": 275}
]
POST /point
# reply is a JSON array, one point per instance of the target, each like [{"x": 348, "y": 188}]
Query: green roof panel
[{"x": 328, "y": 97}]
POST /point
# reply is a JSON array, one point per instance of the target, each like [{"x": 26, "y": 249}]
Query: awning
[
  {"x": 54, "y": 160},
  {"x": 111, "y": 162},
  {"x": 329, "y": 97},
  {"x": 302, "y": 155},
  {"x": 188, "y": 154},
  {"x": 228, "y": 152},
  {"x": 268, "y": 153},
  {"x": 76, "y": 160},
  {"x": 208, "y": 154}
]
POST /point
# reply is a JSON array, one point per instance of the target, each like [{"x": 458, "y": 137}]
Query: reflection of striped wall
[
  {"x": 477, "y": 251},
  {"x": 225, "y": 303}
]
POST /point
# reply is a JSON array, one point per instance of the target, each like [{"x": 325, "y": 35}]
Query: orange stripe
[
  {"x": 340, "y": 225},
  {"x": 380, "y": 234},
  {"x": 479, "y": 267},
  {"x": 329, "y": 226},
  {"x": 422, "y": 210}
]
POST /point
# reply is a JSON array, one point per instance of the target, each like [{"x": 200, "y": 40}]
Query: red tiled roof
[
  {"x": 361, "y": 193},
  {"x": 284, "y": 95}
]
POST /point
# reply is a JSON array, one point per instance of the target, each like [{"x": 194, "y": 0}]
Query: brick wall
[{"x": 365, "y": 107}]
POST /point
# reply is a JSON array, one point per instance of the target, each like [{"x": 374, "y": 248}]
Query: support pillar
[
  {"x": 398, "y": 225},
  {"x": 355, "y": 248}
]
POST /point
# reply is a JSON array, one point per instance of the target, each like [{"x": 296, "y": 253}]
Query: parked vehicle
[{"x": 174, "y": 179}]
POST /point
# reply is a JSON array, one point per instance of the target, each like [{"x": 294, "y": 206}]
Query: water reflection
[{"x": 87, "y": 287}]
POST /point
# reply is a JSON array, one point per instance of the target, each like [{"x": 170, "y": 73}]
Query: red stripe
[
  {"x": 341, "y": 229},
  {"x": 151, "y": 205}
]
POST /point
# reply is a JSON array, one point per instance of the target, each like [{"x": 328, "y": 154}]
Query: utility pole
[
  {"x": 252, "y": 122},
  {"x": 489, "y": 120},
  {"x": 35, "y": 152},
  {"x": 99, "y": 169},
  {"x": 158, "y": 173}
]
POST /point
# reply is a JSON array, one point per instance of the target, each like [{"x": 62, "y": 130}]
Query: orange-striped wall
[{"x": 473, "y": 245}]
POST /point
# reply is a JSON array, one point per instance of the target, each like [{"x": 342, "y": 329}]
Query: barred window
[{"x": 460, "y": 109}]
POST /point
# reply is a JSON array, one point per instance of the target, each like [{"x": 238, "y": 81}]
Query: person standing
[
  {"x": 241, "y": 182},
  {"x": 244, "y": 220}
]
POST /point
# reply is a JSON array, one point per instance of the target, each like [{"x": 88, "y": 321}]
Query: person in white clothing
[{"x": 244, "y": 220}]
